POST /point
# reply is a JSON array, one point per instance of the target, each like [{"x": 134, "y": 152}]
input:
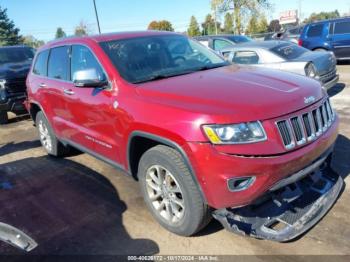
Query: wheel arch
[{"x": 147, "y": 141}]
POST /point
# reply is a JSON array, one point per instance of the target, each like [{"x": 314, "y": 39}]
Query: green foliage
[
  {"x": 228, "y": 24},
  {"x": 274, "y": 26},
  {"x": 193, "y": 29},
  {"x": 9, "y": 34},
  {"x": 257, "y": 25},
  {"x": 241, "y": 9},
  {"x": 60, "y": 33},
  {"x": 209, "y": 27},
  {"x": 162, "y": 25},
  {"x": 82, "y": 29},
  {"x": 322, "y": 16},
  {"x": 31, "y": 41}
]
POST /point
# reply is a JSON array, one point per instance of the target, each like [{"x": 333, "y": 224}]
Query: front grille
[
  {"x": 301, "y": 129},
  {"x": 328, "y": 76},
  {"x": 16, "y": 85}
]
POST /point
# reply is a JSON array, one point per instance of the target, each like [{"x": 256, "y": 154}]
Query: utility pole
[
  {"x": 98, "y": 22},
  {"x": 299, "y": 12}
]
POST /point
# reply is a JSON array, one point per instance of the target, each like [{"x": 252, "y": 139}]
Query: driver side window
[{"x": 83, "y": 59}]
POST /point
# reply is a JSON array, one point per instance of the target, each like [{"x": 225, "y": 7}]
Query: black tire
[
  {"x": 3, "y": 118},
  {"x": 197, "y": 213},
  {"x": 56, "y": 149}
]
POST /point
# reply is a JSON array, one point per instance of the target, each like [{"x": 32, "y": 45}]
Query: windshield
[
  {"x": 15, "y": 55},
  {"x": 240, "y": 39},
  {"x": 151, "y": 58},
  {"x": 289, "y": 51}
]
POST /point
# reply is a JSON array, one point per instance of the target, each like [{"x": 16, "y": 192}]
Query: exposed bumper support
[
  {"x": 287, "y": 212},
  {"x": 331, "y": 83},
  {"x": 16, "y": 238}
]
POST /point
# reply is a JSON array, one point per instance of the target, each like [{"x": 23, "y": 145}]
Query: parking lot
[{"x": 80, "y": 205}]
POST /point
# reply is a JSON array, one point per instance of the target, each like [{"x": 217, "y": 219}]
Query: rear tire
[
  {"x": 48, "y": 138},
  {"x": 3, "y": 118},
  {"x": 170, "y": 192}
]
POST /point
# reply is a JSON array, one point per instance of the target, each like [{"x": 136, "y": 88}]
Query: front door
[{"x": 92, "y": 108}]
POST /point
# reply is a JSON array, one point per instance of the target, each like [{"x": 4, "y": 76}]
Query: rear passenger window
[
  {"x": 40, "y": 65},
  {"x": 83, "y": 59},
  {"x": 221, "y": 44},
  {"x": 245, "y": 57},
  {"x": 342, "y": 28},
  {"x": 315, "y": 30},
  {"x": 58, "y": 63}
]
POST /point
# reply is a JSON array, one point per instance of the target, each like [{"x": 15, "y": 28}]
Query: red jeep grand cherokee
[{"x": 251, "y": 147}]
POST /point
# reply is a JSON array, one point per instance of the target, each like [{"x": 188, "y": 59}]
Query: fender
[{"x": 169, "y": 143}]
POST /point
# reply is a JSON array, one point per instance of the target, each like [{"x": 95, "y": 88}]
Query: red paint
[{"x": 176, "y": 108}]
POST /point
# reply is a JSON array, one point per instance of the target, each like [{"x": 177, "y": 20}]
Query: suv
[
  {"x": 14, "y": 65},
  {"x": 249, "y": 146},
  {"x": 331, "y": 35}
]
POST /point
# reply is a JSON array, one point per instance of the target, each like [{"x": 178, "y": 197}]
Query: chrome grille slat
[{"x": 300, "y": 129}]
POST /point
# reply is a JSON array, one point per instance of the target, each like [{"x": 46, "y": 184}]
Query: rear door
[
  {"x": 314, "y": 36},
  {"x": 341, "y": 39}
]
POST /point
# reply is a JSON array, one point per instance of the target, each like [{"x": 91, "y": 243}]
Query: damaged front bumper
[
  {"x": 289, "y": 209},
  {"x": 16, "y": 238}
]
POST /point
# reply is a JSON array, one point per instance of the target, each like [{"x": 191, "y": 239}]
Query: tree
[
  {"x": 193, "y": 29},
  {"x": 82, "y": 29},
  {"x": 322, "y": 16},
  {"x": 60, "y": 33},
  {"x": 162, "y": 25},
  {"x": 241, "y": 9},
  {"x": 31, "y": 41},
  {"x": 263, "y": 25},
  {"x": 274, "y": 26},
  {"x": 209, "y": 25},
  {"x": 9, "y": 34},
  {"x": 252, "y": 27},
  {"x": 228, "y": 24}
]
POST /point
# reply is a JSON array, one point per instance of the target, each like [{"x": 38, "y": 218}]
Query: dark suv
[
  {"x": 15, "y": 62},
  {"x": 328, "y": 35}
]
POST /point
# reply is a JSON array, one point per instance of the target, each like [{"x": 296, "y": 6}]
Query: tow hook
[{"x": 16, "y": 238}]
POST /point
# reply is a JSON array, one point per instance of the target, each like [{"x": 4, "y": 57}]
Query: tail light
[{"x": 300, "y": 42}]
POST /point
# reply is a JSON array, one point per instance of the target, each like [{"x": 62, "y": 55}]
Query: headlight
[
  {"x": 2, "y": 90},
  {"x": 243, "y": 133},
  {"x": 310, "y": 70}
]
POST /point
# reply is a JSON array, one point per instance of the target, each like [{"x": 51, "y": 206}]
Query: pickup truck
[
  {"x": 250, "y": 147},
  {"x": 15, "y": 62}
]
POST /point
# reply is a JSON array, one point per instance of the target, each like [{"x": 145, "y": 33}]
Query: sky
[{"x": 41, "y": 18}]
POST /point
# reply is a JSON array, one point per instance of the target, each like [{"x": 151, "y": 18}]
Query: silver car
[{"x": 288, "y": 57}]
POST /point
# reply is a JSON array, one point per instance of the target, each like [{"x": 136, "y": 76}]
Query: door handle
[
  {"x": 69, "y": 92},
  {"x": 43, "y": 85}
]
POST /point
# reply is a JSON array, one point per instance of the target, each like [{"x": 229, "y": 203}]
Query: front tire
[
  {"x": 48, "y": 139},
  {"x": 170, "y": 192},
  {"x": 3, "y": 117}
]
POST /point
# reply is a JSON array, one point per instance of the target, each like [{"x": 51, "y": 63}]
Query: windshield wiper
[
  {"x": 162, "y": 76},
  {"x": 190, "y": 71},
  {"x": 208, "y": 67}
]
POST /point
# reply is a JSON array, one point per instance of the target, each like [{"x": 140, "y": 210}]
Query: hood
[
  {"x": 323, "y": 61},
  {"x": 234, "y": 94},
  {"x": 11, "y": 71}
]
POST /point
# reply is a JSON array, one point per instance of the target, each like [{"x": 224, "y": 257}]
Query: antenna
[{"x": 98, "y": 22}]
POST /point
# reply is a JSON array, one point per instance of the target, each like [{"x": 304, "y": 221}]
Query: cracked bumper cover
[{"x": 286, "y": 212}]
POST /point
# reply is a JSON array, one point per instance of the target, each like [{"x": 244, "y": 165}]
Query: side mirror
[{"x": 89, "y": 78}]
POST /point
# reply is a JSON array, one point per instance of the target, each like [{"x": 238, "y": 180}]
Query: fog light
[{"x": 240, "y": 183}]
